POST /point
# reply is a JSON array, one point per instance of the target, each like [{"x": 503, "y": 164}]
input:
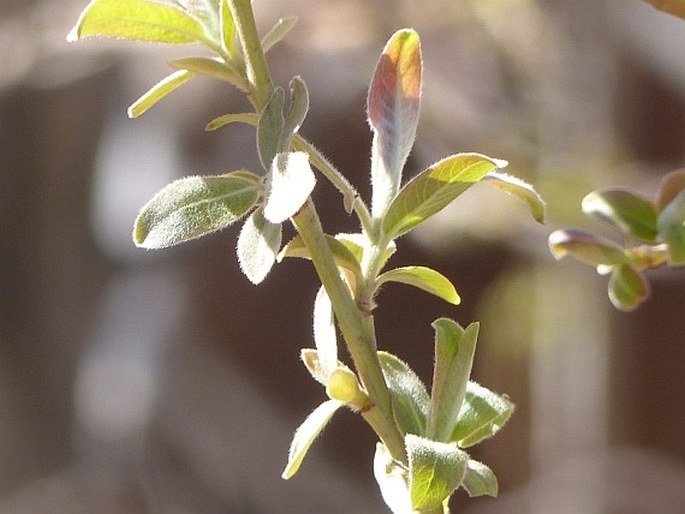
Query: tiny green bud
[{"x": 343, "y": 385}]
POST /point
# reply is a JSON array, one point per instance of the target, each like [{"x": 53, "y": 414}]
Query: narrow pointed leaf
[
  {"x": 269, "y": 128},
  {"x": 628, "y": 212},
  {"x": 342, "y": 254},
  {"x": 258, "y": 244},
  {"x": 454, "y": 351},
  {"x": 278, "y": 32},
  {"x": 228, "y": 30},
  {"x": 140, "y": 20},
  {"x": 433, "y": 189},
  {"x": 212, "y": 67},
  {"x": 288, "y": 186},
  {"x": 299, "y": 105},
  {"x": 306, "y": 433},
  {"x": 392, "y": 480},
  {"x": 671, "y": 224},
  {"x": 324, "y": 332},
  {"x": 479, "y": 480},
  {"x": 159, "y": 91},
  {"x": 194, "y": 206},
  {"x": 248, "y": 118},
  {"x": 409, "y": 397},
  {"x": 628, "y": 288},
  {"x": 586, "y": 247},
  {"x": 481, "y": 415},
  {"x": 435, "y": 471},
  {"x": 393, "y": 110},
  {"x": 424, "y": 278},
  {"x": 517, "y": 188}
]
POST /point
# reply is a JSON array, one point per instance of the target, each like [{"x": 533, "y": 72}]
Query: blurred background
[{"x": 163, "y": 382}]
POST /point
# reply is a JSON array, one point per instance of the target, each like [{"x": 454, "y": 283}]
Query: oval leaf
[
  {"x": 306, "y": 433},
  {"x": 159, "y": 91},
  {"x": 139, "y": 20},
  {"x": 628, "y": 288},
  {"x": 269, "y": 129},
  {"x": 424, "y": 278},
  {"x": 517, "y": 188},
  {"x": 288, "y": 186},
  {"x": 433, "y": 189},
  {"x": 194, "y": 206},
  {"x": 479, "y": 480},
  {"x": 299, "y": 105},
  {"x": 435, "y": 471},
  {"x": 585, "y": 247},
  {"x": 630, "y": 213},
  {"x": 671, "y": 185},
  {"x": 258, "y": 245},
  {"x": 481, "y": 415},
  {"x": 409, "y": 397}
]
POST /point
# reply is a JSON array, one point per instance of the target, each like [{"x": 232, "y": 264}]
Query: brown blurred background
[{"x": 163, "y": 382}]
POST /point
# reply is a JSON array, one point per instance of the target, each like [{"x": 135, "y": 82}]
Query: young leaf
[
  {"x": 424, "y": 278},
  {"x": 258, "y": 244},
  {"x": 299, "y": 105},
  {"x": 278, "y": 32},
  {"x": 671, "y": 224},
  {"x": 228, "y": 30},
  {"x": 393, "y": 110},
  {"x": 324, "y": 332},
  {"x": 628, "y": 212},
  {"x": 288, "y": 186},
  {"x": 454, "y": 350},
  {"x": 585, "y": 247},
  {"x": 628, "y": 288},
  {"x": 269, "y": 128},
  {"x": 671, "y": 185},
  {"x": 409, "y": 397},
  {"x": 433, "y": 189},
  {"x": 194, "y": 206},
  {"x": 212, "y": 67},
  {"x": 248, "y": 118},
  {"x": 392, "y": 480},
  {"x": 139, "y": 20},
  {"x": 159, "y": 91},
  {"x": 435, "y": 471},
  {"x": 479, "y": 480},
  {"x": 342, "y": 255},
  {"x": 481, "y": 415},
  {"x": 310, "y": 358},
  {"x": 306, "y": 433},
  {"x": 521, "y": 190}
]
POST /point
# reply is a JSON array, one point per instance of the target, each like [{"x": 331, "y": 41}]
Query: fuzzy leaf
[
  {"x": 585, "y": 247},
  {"x": 630, "y": 213},
  {"x": 392, "y": 480},
  {"x": 409, "y": 397},
  {"x": 306, "y": 433},
  {"x": 269, "y": 128},
  {"x": 481, "y": 415},
  {"x": 628, "y": 288},
  {"x": 393, "y": 110},
  {"x": 299, "y": 105},
  {"x": 324, "y": 332},
  {"x": 479, "y": 480},
  {"x": 435, "y": 471},
  {"x": 248, "y": 118},
  {"x": 228, "y": 30},
  {"x": 310, "y": 358},
  {"x": 288, "y": 186},
  {"x": 139, "y": 20},
  {"x": 212, "y": 67},
  {"x": 517, "y": 188},
  {"x": 159, "y": 91},
  {"x": 278, "y": 32},
  {"x": 194, "y": 206},
  {"x": 671, "y": 224},
  {"x": 424, "y": 278},
  {"x": 433, "y": 189},
  {"x": 454, "y": 351},
  {"x": 258, "y": 244}
]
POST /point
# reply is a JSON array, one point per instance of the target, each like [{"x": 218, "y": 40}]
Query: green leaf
[
  {"x": 424, "y": 278},
  {"x": 517, "y": 188},
  {"x": 454, "y": 351},
  {"x": 409, "y": 397},
  {"x": 392, "y": 480},
  {"x": 139, "y": 20},
  {"x": 258, "y": 244},
  {"x": 433, "y": 189},
  {"x": 306, "y": 433},
  {"x": 324, "y": 332},
  {"x": 393, "y": 109},
  {"x": 479, "y": 480},
  {"x": 248, "y": 118},
  {"x": 671, "y": 185},
  {"x": 212, "y": 67},
  {"x": 630, "y": 213},
  {"x": 269, "y": 128},
  {"x": 278, "y": 32},
  {"x": 299, "y": 105},
  {"x": 481, "y": 415},
  {"x": 585, "y": 247},
  {"x": 435, "y": 470},
  {"x": 628, "y": 288},
  {"x": 228, "y": 30},
  {"x": 159, "y": 91},
  {"x": 194, "y": 206},
  {"x": 671, "y": 224},
  {"x": 342, "y": 255},
  {"x": 288, "y": 186}
]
